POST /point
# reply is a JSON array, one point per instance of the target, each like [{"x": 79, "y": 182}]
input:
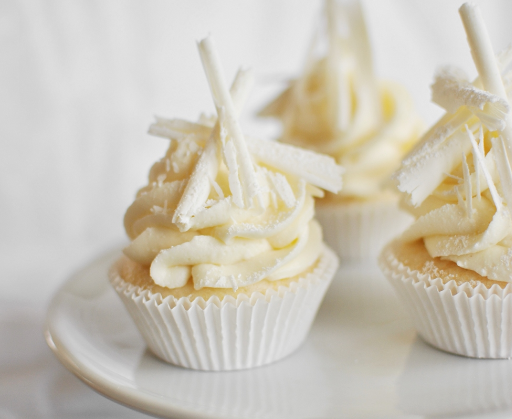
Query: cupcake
[
  {"x": 226, "y": 267},
  {"x": 453, "y": 266},
  {"x": 339, "y": 108}
]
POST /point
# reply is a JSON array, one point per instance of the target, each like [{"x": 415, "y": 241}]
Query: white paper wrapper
[
  {"x": 358, "y": 231},
  {"x": 233, "y": 333},
  {"x": 462, "y": 319}
]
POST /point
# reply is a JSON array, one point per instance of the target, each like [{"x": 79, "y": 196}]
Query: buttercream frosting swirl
[
  {"x": 224, "y": 209},
  {"x": 338, "y": 107},
  {"x": 458, "y": 179}
]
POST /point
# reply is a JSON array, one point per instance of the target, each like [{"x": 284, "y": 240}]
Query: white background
[{"x": 81, "y": 80}]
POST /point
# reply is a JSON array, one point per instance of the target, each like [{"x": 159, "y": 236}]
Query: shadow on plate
[
  {"x": 292, "y": 387},
  {"x": 441, "y": 385}
]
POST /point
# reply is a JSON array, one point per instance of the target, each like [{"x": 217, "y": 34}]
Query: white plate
[{"x": 362, "y": 359}]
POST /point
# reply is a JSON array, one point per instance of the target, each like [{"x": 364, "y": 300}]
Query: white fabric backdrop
[{"x": 80, "y": 82}]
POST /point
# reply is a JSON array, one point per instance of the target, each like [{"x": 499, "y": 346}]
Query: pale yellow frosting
[
  {"x": 337, "y": 107},
  {"x": 224, "y": 243},
  {"x": 458, "y": 181},
  {"x": 225, "y": 209}
]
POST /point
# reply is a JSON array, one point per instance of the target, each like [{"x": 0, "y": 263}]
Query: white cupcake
[
  {"x": 226, "y": 268},
  {"x": 452, "y": 308},
  {"x": 453, "y": 266},
  {"x": 338, "y": 107}
]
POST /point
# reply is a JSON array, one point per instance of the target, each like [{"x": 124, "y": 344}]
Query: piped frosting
[
  {"x": 224, "y": 209},
  {"x": 338, "y": 107},
  {"x": 458, "y": 179}
]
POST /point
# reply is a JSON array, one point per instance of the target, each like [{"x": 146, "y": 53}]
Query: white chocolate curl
[
  {"x": 232, "y": 210},
  {"x": 338, "y": 107},
  {"x": 459, "y": 178}
]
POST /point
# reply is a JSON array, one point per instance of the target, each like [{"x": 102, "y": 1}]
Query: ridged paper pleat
[
  {"x": 468, "y": 320},
  {"x": 233, "y": 333},
  {"x": 358, "y": 231}
]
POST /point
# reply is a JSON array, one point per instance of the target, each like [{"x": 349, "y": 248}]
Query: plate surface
[{"x": 362, "y": 359}]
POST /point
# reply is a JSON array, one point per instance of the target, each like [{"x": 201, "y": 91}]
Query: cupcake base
[
  {"x": 358, "y": 230},
  {"x": 228, "y": 333},
  {"x": 450, "y": 309}
]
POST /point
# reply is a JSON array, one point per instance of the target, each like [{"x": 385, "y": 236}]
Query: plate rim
[
  {"x": 122, "y": 394},
  {"x": 147, "y": 402}
]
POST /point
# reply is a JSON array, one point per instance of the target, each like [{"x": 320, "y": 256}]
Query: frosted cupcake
[
  {"x": 453, "y": 266},
  {"x": 338, "y": 107},
  {"x": 226, "y": 268}
]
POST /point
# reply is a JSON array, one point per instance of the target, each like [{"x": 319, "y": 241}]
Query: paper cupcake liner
[
  {"x": 228, "y": 334},
  {"x": 358, "y": 231},
  {"x": 467, "y": 320}
]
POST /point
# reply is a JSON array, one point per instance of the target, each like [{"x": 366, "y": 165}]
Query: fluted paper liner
[
  {"x": 228, "y": 334},
  {"x": 473, "y": 321},
  {"x": 358, "y": 231}
]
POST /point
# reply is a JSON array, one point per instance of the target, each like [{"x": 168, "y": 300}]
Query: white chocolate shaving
[
  {"x": 485, "y": 60},
  {"x": 481, "y": 161},
  {"x": 317, "y": 169},
  {"x": 452, "y": 90},
  {"x": 230, "y": 157},
  {"x": 338, "y": 96},
  {"x": 338, "y": 107},
  {"x": 481, "y": 49},
  {"x": 467, "y": 187},
  {"x": 233, "y": 240},
  {"x": 217, "y": 188},
  {"x": 198, "y": 187},
  {"x": 477, "y": 168},
  {"x": 270, "y": 223},
  {"x": 481, "y": 240},
  {"x": 436, "y": 135},
  {"x": 283, "y": 189},
  {"x": 503, "y": 164},
  {"x": 422, "y": 177},
  {"x": 458, "y": 178},
  {"x": 492, "y": 118},
  {"x": 177, "y": 129},
  {"x": 241, "y": 87},
  {"x": 222, "y": 99}
]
